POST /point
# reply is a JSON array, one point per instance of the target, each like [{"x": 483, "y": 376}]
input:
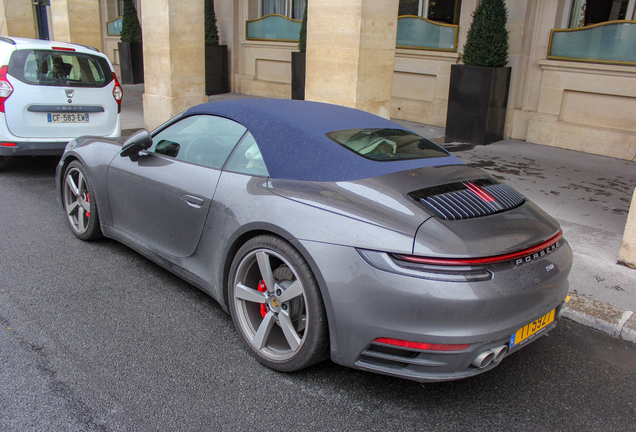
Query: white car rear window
[{"x": 59, "y": 68}]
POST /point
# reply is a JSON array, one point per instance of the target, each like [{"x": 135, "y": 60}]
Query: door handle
[{"x": 193, "y": 201}]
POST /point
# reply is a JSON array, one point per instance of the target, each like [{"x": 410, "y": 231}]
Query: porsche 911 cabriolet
[{"x": 328, "y": 232}]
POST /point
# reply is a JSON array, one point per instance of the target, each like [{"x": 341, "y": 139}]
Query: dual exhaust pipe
[
  {"x": 495, "y": 355},
  {"x": 492, "y": 355}
]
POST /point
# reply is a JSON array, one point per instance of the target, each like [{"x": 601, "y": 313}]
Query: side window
[
  {"x": 203, "y": 140},
  {"x": 247, "y": 158}
]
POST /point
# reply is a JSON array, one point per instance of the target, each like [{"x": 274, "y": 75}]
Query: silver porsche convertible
[{"x": 327, "y": 232}]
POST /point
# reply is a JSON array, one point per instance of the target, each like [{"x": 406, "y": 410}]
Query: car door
[{"x": 163, "y": 197}]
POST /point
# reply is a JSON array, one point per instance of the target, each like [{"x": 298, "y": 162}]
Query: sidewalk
[{"x": 589, "y": 195}]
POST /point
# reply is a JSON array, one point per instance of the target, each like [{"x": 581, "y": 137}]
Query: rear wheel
[
  {"x": 79, "y": 203},
  {"x": 276, "y": 305}
]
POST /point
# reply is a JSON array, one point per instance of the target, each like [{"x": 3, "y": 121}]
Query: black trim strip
[{"x": 65, "y": 108}]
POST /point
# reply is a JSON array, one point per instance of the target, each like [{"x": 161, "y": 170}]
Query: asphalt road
[{"x": 94, "y": 337}]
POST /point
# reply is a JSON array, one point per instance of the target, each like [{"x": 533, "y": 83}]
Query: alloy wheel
[{"x": 269, "y": 298}]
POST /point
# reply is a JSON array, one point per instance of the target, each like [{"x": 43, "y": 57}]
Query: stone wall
[
  {"x": 17, "y": 19},
  {"x": 586, "y": 107},
  {"x": 77, "y": 21}
]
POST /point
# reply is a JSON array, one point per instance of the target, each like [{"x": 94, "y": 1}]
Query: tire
[
  {"x": 78, "y": 197},
  {"x": 276, "y": 305}
]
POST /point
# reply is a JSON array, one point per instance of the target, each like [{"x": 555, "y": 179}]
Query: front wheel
[
  {"x": 276, "y": 305},
  {"x": 79, "y": 203}
]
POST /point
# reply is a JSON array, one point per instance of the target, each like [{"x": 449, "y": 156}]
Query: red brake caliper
[
  {"x": 88, "y": 200},
  {"x": 262, "y": 288}
]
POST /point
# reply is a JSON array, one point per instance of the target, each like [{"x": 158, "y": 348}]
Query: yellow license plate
[{"x": 532, "y": 328}]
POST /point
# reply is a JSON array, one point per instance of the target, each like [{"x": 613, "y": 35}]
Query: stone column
[
  {"x": 174, "y": 58},
  {"x": 77, "y": 21},
  {"x": 351, "y": 53},
  {"x": 17, "y": 19},
  {"x": 627, "y": 255},
  {"x": 530, "y": 27}
]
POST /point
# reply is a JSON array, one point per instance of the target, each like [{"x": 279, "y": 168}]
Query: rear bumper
[
  {"x": 12, "y": 145},
  {"x": 32, "y": 148},
  {"x": 365, "y": 304}
]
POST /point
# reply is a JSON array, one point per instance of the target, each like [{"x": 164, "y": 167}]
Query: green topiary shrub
[
  {"x": 211, "y": 30},
  {"x": 302, "y": 35},
  {"x": 130, "y": 27},
  {"x": 487, "y": 39}
]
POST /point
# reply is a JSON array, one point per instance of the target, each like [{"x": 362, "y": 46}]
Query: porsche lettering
[{"x": 537, "y": 255}]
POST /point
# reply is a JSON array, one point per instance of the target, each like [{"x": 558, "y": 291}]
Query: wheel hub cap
[{"x": 274, "y": 304}]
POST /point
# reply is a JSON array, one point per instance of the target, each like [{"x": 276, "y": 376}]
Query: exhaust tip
[
  {"x": 483, "y": 359},
  {"x": 499, "y": 353}
]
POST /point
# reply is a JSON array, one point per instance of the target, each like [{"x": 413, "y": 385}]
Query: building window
[
  {"x": 446, "y": 11},
  {"x": 596, "y": 31},
  {"x": 587, "y": 12},
  {"x": 293, "y": 9}
]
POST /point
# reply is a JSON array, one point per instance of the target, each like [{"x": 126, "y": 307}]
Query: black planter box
[
  {"x": 131, "y": 62},
  {"x": 298, "y": 75},
  {"x": 477, "y": 102},
  {"x": 217, "y": 78}
]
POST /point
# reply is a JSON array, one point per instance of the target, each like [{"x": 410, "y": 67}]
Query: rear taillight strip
[
  {"x": 421, "y": 345},
  {"x": 481, "y": 261}
]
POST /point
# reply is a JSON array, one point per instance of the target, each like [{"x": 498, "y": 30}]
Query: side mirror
[{"x": 140, "y": 140}]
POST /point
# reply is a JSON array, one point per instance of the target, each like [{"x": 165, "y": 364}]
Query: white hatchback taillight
[
  {"x": 118, "y": 93},
  {"x": 5, "y": 87}
]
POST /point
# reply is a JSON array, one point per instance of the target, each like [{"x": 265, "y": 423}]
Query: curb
[{"x": 601, "y": 316}]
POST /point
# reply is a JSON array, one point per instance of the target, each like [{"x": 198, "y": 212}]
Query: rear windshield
[
  {"x": 387, "y": 144},
  {"x": 60, "y": 68}
]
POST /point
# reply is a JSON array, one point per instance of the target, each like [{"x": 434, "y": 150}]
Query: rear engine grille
[{"x": 469, "y": 199}]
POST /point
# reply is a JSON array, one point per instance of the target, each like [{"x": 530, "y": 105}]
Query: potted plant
[
  {"x": 216, "y": 65},
  {"x": 478, "y": 92},
  {"x": 298, "y": 62},
  {"x": 131, "y": 56}
]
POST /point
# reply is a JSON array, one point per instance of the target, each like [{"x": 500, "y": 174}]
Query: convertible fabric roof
[{"x": 291, "y": 137}]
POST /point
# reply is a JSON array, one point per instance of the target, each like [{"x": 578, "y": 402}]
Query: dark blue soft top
[{"x": 291, "y": 137}]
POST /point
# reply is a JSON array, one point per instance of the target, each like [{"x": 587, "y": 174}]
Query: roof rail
[{"x": 7, "y": 40}]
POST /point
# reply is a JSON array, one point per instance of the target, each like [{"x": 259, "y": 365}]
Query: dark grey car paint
[
  {"x": 369, "y": 304},
  {"x": 326, "y": 222},
  {"x": 176, "y": 193},
  {"x": 496, "y": 234},
  {"x": 383, "y": 201}
]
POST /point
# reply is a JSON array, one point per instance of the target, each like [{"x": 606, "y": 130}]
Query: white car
[{"x": 52, "y": 92}]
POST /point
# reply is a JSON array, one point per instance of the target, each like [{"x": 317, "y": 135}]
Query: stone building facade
[
  {"x": 573, "y": 62},
  {"x": 581, "y": 104}
]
